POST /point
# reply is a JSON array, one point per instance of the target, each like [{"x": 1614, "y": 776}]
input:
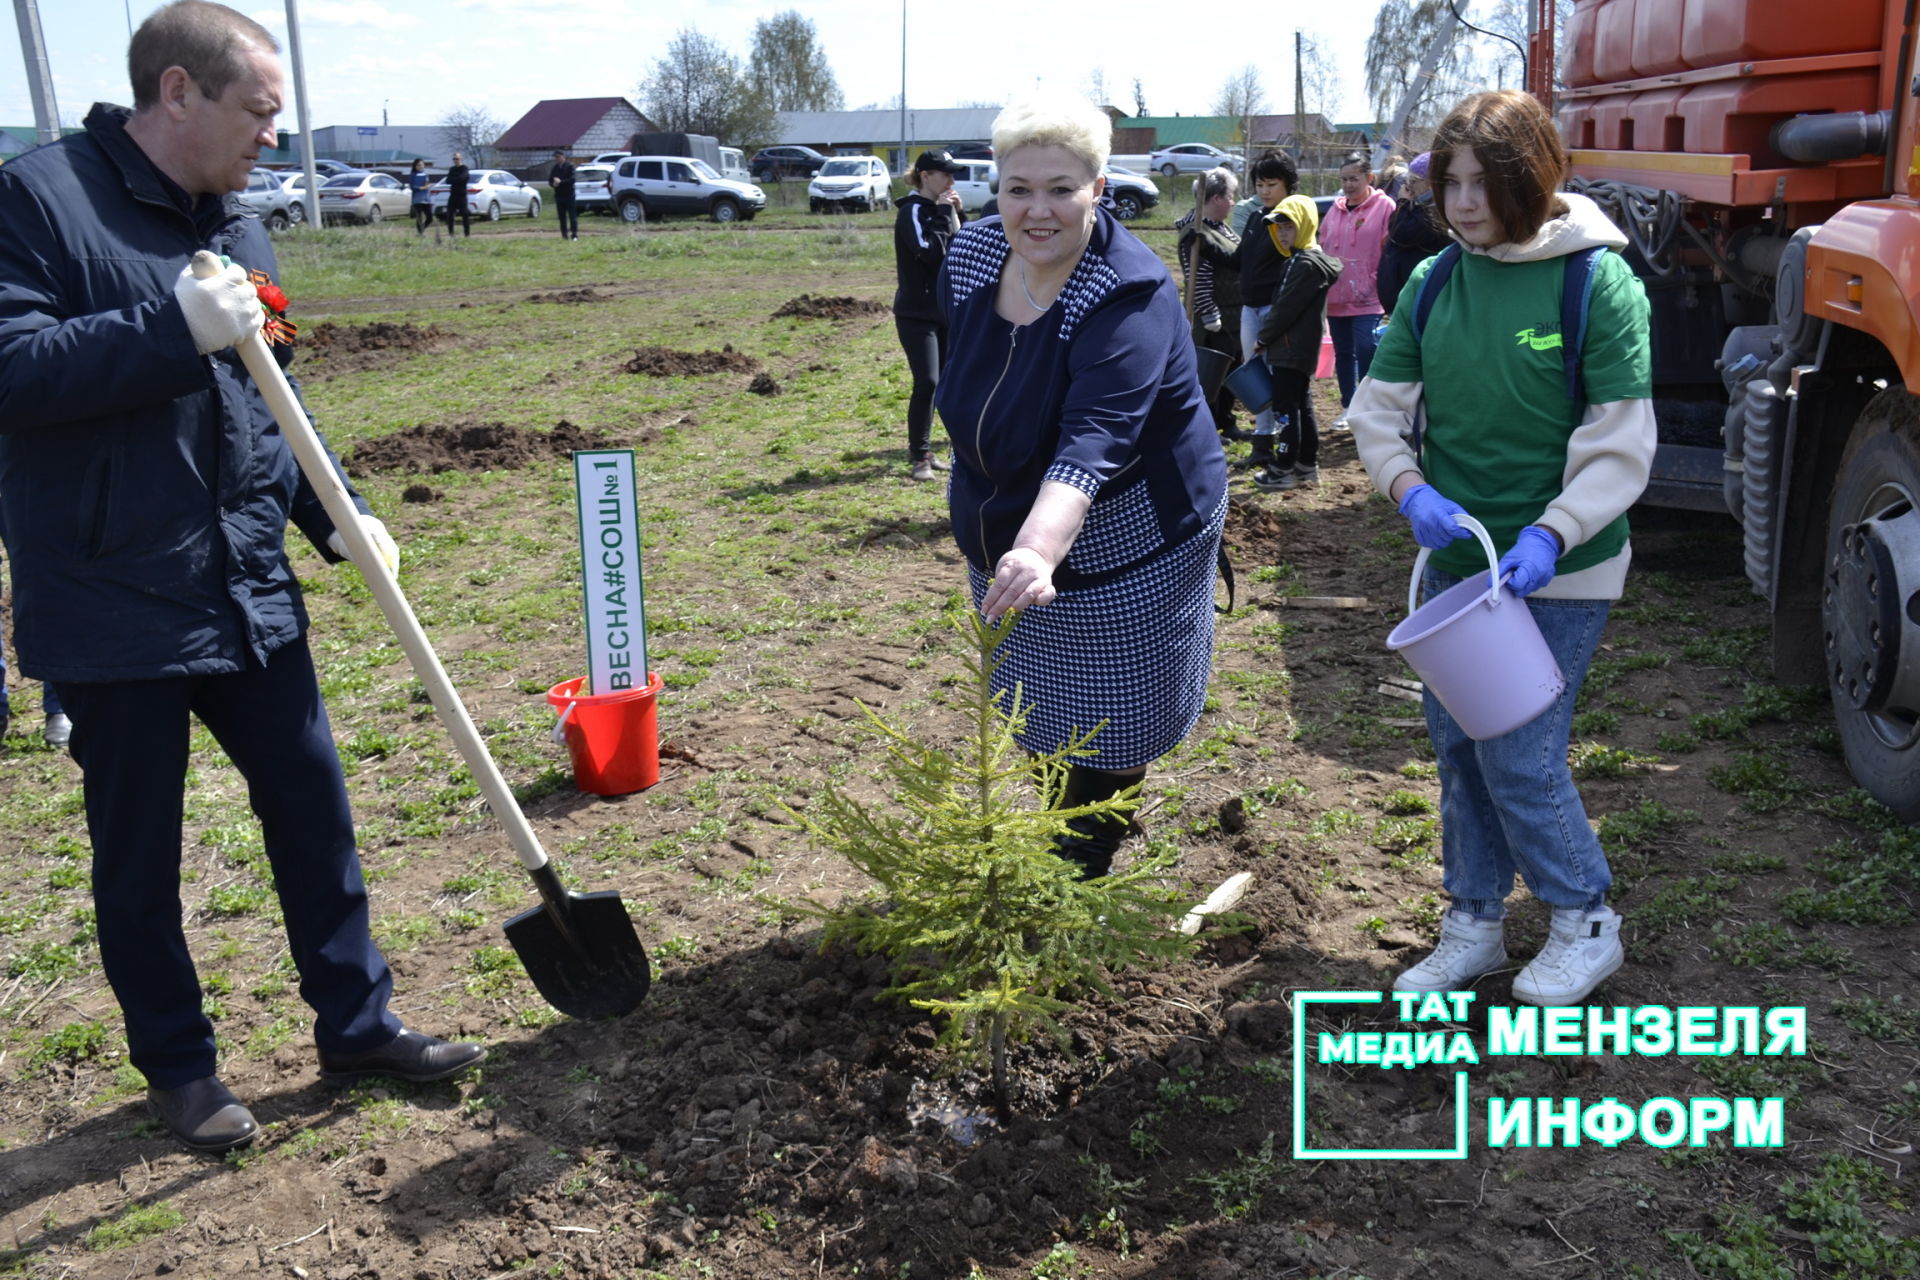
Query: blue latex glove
[
  {"x": 1432, "y": 513},
  {"x": 1532, "y": 560}
]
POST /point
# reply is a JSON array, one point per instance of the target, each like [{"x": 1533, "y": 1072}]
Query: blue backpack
[{"x": 1575, "y": 291}]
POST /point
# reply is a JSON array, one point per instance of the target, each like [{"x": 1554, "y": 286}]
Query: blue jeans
[
  {"x": 1353, "y": 345},
  {"x": 1508, "y": 804}
]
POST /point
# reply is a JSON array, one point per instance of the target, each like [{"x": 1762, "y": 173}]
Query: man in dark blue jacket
[{"x": 145, "y": 491}]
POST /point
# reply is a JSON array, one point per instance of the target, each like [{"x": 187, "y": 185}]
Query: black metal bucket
[{"x": 1212, "y": 367}]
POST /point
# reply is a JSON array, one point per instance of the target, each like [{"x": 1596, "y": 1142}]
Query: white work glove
[
  {"x": 221, "y": 310},
  {"x": 382, "y": 541}
]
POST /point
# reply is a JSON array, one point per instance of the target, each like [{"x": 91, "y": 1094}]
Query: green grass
[{"x": 134, "y": 1224}]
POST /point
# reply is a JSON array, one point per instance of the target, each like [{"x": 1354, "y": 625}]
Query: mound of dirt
[
  {"x": 763, "y": 384},
  {"x": 809, "y": 307},
  {"x": 568, "y": 296},
  {"x": 328, "y": 338},
  {"x": 664, "y": 362},
  {"x": 485, "y": 446}
]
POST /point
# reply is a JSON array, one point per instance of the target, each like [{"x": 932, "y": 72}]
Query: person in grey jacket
[{"x": 145, "y": 491}]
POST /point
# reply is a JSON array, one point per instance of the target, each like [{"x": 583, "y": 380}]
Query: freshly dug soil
[
  {"x": 664, "y": 362},
  {"x": 816, "y": 307},
  {"x": 485, "y": 446},
  {"x": 568, "y": 296},
  {"x": 328, "y": 338}
]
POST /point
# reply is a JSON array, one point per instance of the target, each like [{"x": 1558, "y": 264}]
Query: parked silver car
[
  {"x": 359, "y": 196},
  {"x": 492, "y": 194},
  {"x": 272, "y": 200},
  {"x": 1192, "y": 157},
  {"x": 647, "y": 187}
]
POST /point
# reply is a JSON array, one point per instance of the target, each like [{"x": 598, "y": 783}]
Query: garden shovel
[{"x": 579, "y": 948}]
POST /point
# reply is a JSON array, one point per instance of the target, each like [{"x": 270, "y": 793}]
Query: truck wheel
[
  {"x": 1870, "y": 602},
  {"x": 631, "y": 210},
  {"x": 725, "y": 210}
]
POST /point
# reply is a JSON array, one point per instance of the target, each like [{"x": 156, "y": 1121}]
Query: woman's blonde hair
[{"x": 1070, "y": 123}]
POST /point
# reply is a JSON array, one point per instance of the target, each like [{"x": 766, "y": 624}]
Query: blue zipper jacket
[
  {"x": 1099, "y": 393},
  {"x": 145, "y": 489}
]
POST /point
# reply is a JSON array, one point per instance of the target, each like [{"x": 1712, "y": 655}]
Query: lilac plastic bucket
[{"x": 1476, "y": 647}]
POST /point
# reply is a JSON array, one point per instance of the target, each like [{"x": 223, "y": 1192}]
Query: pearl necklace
[{"x": 1023, "y": 289}]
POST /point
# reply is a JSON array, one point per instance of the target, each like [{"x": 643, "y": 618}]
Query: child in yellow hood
[{"x": 1290, "y": 339}]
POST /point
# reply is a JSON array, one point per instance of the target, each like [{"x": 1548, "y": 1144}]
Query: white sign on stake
[{"x": 607, "y": 499}]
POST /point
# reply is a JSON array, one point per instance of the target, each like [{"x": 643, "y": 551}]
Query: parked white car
[
  {"x": 849, "y": 182},
  {"x": 974, "y": 182},
  {"x": 1192, "y": 157},
  {"x": 593, "y": 188},
  {"x": 491, "y": 194},
  {"x": 273, "y": 201},
  {"x": 662, "y": 186}
]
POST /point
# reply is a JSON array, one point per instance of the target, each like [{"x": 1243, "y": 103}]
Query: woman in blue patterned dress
[{"x": 1088, "y": 485}]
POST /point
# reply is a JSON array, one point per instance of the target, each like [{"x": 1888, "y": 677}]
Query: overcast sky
[{"x": 414, "y": 59}]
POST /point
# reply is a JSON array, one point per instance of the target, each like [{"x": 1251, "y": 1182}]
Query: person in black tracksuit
[
  {"x": 457, "y": 195},
  {"x": 929, "y": 217},
  {"x": 560, "y": 178}
]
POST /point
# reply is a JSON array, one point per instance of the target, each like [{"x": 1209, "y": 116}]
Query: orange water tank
[
  {"x": 1734, "y": 116},
  {"x": 1576, "y": 124},
  {"x": 1655, "y": 120},
  {"x": 1613, "y": 39},
  {"x": 1717, "y": 32},
  {"x": 1580, "y": 38},
  {"x": 1656, "y": 39}
]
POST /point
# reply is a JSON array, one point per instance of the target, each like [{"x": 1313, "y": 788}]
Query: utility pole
[
  {"x": 903, "y": 87},
  {"x": 1299, "y": 102},
  {"x": 46, "y": 113},
  {"x": 312, "y": 197}
]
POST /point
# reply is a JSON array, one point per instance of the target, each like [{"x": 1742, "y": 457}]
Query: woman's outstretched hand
[
  {"x": 1022, "y": 580},
  {"x": 1431, "y": 513}
]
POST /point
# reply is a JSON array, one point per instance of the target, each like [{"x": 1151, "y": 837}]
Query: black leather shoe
[
  {"x": 410, "y": 1056},
  {"x": 204, "y": 1115}
]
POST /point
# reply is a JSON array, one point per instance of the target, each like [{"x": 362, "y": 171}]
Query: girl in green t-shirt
[{"x": 1474, "y": 416}]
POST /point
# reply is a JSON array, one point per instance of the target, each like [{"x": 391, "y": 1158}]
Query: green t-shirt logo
[{"x": 1546, "y": 337}]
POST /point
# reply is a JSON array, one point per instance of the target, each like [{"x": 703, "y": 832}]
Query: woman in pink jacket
[{"x": 1355, "y": 231}]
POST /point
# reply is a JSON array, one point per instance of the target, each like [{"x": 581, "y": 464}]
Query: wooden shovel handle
[{"x": 326, "y": 482}]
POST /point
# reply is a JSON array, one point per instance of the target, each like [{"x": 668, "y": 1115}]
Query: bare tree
[
  {"x": 1320, "y": 76},
  {"x": 697, "y": 87},
  {"x": 1139, "y": 98},
  {"x": 1243, "y": 97},
  {"x": 1097, "y": 86},
  {"x": 790, "y": 68},
  {"x": 470, "y": 130},
  {"x": 1404, "y": 31}
]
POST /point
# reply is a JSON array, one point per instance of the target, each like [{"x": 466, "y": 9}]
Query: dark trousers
[
  {"x": 1297, "y": 442},
  {"x": 569, "y": 216},
  {"x": 466, "y": 219},
  {"x": 130, "y": 739},
  {"x": 422, "y": 217},
  {"x": 925, "y": 342}
]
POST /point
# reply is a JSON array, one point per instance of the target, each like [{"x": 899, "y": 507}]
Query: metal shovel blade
[{"x": 582, "y": 954}]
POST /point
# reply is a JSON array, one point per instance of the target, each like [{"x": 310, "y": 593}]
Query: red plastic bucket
[{"x": 614, "y": 738}]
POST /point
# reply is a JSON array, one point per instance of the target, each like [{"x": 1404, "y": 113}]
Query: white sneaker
[
  {"x": 1583, "y": 950},
  {"x": 1468, "y": 949}
]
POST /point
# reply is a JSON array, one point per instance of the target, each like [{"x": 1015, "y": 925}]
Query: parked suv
[
  {"x": 665, "y": 186},
  {"x": 847, "y": 182},
  {"x": 771, "y": 164},
  {"x": 1132, "y": 195},
  {"x": 269, "y": 199}
]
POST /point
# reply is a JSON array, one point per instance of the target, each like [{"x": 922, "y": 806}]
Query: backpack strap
[
  {"x": 1436, "y": 280},
  {"x": 1576, "y": 292}
]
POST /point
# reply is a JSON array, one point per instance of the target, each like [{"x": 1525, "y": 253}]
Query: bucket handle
[
  {"x": 1479, "y": 531},
  {"x": 560, "y": 725}
]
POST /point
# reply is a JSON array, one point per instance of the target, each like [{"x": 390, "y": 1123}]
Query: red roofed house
[{"x": 582, "y": 127}]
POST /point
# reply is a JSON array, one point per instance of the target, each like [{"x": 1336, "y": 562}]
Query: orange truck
[{"x": 1761, "y": 157}]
